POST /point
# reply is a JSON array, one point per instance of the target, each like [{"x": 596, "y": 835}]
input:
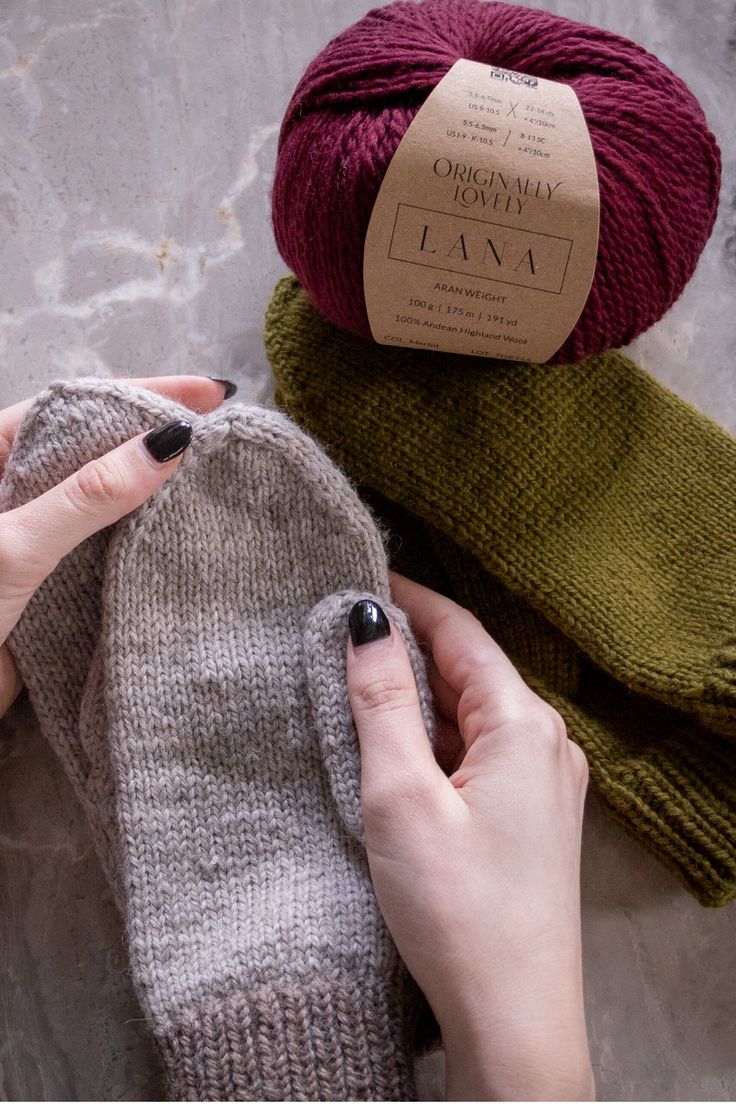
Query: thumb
[
  {"x": 34, "y": 537},
  {"x": 399, "y": 774}
]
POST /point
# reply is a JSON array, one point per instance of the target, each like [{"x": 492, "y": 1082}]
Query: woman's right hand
[
  {"x": 35, "y": 536},
  {"x": 478, "y": 874}
]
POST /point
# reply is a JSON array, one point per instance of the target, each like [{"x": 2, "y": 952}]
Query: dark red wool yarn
[{"x": 658, "y": 163}]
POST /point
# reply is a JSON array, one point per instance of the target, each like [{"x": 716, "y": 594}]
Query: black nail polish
[
  {"x": 368, "y": 622},
  {"x": 168, "y": 440},
  {"x": 230, "y": 387}
]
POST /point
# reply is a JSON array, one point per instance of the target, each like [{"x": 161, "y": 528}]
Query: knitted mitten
[
  {"x": 589, "y": 516},
  {"x": 212, "y": 723}
]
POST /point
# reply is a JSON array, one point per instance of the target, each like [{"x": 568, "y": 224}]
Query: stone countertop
[{"x": 137, "y": 153}]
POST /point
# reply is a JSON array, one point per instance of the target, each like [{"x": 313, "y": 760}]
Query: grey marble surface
[{"x": 137, "y": 146}]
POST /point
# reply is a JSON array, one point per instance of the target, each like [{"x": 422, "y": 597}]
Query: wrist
[
  {"x": 519, "y": 1032},
  {"x": 517, "y": 1069}
]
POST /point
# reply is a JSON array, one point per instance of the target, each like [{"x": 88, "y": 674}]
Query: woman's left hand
[{"x": 36, "y": 536}]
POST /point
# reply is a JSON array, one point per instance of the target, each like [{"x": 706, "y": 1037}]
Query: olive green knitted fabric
[{"x": 588, "y": 516}]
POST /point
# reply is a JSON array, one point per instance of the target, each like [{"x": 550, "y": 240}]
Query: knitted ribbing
[
  {"x": 589, "y": 516},
  {"x": 209, "y": 731}
]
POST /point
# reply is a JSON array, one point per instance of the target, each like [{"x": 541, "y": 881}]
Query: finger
[
  {"x": 490, "y": 690},
  {"x": 446, "y": 699},
  {"x": 448, "y": 743},
  {"x": 10, "y": 419},
  {"x": 399, "y": 773},
  {"x": 456, "y": 639},
  {"x": 199, "y": 393},
  {"x": 35, "y": 536}
]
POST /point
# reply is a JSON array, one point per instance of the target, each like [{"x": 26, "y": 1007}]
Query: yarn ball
[{"x": 658, "y": 163}]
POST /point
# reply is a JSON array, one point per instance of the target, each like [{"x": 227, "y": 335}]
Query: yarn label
[{"x": 484, "y": 233}]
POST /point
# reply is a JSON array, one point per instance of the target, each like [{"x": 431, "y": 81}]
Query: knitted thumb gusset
[
  {"x": 210, "y": 737},
  {"x": 603, "y": 506}
]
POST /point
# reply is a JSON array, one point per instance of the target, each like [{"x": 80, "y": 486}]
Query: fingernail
[
  {"x": 368, "y": 622},
  {"x": 168, "y": 441},
  {"x": 230, "y": 387}
]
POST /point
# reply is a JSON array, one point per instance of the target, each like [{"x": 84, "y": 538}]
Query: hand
[
  {"x": 477, "y": 874},
  {"x": 34, "y": 537}
]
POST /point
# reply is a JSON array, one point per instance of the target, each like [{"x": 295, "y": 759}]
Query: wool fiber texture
[
  {"x": 187, "y": 665},
  {"x": 658, "y": 163}
]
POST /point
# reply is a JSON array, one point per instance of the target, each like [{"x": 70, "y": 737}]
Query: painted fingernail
[
  {"x": 230, "y": 387},
  {"x": 168, "y": 441},
  {"x": 368, "y": 622}
]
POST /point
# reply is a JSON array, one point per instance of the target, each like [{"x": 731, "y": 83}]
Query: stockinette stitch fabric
[
  {"x": 588, "y": 516},
  {"x": 658, "y": 163},
  {"x": 187, "y": 664}
]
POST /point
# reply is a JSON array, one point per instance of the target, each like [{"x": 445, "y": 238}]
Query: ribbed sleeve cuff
[{"x": 317, "y": 1040}]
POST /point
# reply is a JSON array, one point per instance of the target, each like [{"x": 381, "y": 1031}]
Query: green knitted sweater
[{"x": 588, "y": 516}]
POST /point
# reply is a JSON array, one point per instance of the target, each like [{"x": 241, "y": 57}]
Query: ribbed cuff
[{"x": 317, "y": 1040}]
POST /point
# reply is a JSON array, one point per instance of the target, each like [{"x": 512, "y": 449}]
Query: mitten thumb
[
  {"x": 399, "y": 772},
  {"x": 386, "y": 698}
]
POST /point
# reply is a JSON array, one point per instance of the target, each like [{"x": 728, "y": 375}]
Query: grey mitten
[{"x": 210, "y": 737}]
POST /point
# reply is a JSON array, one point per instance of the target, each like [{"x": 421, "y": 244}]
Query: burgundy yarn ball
[{"x": 658, "y": 163}]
